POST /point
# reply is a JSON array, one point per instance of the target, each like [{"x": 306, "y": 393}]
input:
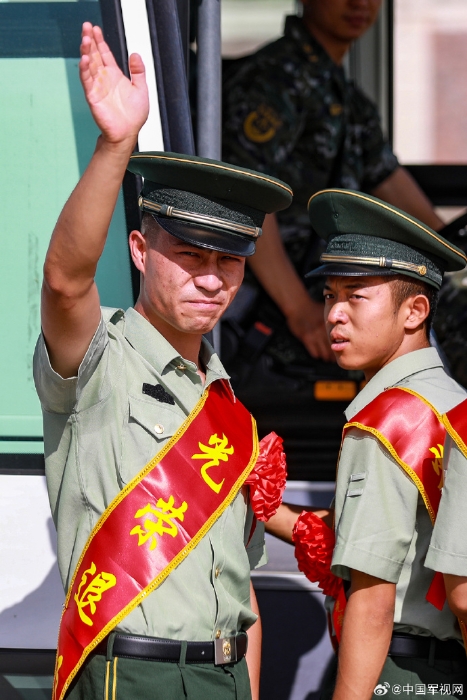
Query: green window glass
[{"x": 46, "y": 139}]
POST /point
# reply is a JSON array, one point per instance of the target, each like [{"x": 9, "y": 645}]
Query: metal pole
[
  {"x": 209, "y": 98},
  {"x": 171, "y": 66},
  {"x": 209, "y": 79}
]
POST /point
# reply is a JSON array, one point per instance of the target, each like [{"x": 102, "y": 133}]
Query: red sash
[
  {"x": 455, "y": 421},
  {"x": 412, "y": 431},
  {"x": 154, "y": 523}
]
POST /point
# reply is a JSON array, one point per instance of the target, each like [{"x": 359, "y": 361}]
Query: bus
[{"x": 47, "y": 136}]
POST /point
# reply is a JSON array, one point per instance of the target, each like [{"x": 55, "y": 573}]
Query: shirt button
[
  {"x": 218, "y": 634},
  {"x": 181, "y": 367},
  {"x": 158, "y": 428},
  {"x": 217, "y": 572}
]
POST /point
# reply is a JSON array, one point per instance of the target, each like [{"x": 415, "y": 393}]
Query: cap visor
[{"x": 207, "y": 237}]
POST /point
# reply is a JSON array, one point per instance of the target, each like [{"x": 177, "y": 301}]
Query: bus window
[
  {"x": 46, "y": 139},
  {"x": 430, "y": 91},
  {"x": 248, "y": 25}
]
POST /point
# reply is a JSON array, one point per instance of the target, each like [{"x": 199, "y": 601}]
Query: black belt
[
  {"x": 228, "y": 650},
  {"x": 410, "y": 645}
]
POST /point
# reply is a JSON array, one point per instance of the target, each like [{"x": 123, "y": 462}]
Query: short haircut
[
  {"x": 148, "y": 224},
  {"x": 403, "y": 287}
]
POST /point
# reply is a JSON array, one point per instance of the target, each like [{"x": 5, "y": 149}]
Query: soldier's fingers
[{"x": 102, "y": 47}]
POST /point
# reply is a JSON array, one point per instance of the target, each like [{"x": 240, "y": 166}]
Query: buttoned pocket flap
[
  {"x": 150, "y": 424},
  {"x": 158, "y": 419}
]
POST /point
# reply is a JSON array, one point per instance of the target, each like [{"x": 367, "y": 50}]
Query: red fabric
[
  {"x": 437, "y": 592},
  {"x": 314, "y": 545},
  {"x": 267, "y": 480}
]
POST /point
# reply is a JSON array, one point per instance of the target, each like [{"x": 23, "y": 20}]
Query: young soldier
[
  {"x": 146, "y": 447},
  {"x": 383, "y": 269}
]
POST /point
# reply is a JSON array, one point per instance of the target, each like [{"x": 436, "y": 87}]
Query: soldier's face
[
  {"x": 365, "y": 330},
  {"x": 184, "y": 287},
  {"x": 345, "y": 20}
]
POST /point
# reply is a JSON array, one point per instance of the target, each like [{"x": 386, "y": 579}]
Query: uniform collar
[
  {"x": 156, "y": 350},
  {"x": 392, "y": 374},
  {"x": 316, "y": 55}
]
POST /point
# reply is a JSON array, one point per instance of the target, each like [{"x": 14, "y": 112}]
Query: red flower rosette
[
  {"x": 267, "y": 480},
  {"x": 314, "y": 545}
]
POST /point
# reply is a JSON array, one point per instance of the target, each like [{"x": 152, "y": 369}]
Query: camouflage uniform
[{"x": 286, "y": 111}]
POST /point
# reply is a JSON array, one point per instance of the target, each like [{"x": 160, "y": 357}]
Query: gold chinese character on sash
[
  {"x": 58, "y": 667},
  {"x": 92, "y": 592},
  {"x": 165, "y": 514},
  {"x": 216, "y": 451},
  {"x": 438, "y": 463}
]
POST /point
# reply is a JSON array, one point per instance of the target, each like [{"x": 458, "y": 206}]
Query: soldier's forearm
[
  {"x": 81, "y": 230},
  {"x": 366, "y": 634},
  {"x": 456, "y": 591},
  {"x": 274, "y": 270},
  {"x": 282, "y": 523}
]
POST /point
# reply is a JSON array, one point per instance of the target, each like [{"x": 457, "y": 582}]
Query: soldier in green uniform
[
  {"x": 116, "y": 386},
  {"x": 448, "y": 551},
  {"x": 289, "y": 110},
  {"x": 382, "y": 270}
]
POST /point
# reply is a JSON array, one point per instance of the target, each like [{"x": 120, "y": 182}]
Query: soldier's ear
[
  {"x": 138, "y": 249},
  {"x": 416, "y": 310}
]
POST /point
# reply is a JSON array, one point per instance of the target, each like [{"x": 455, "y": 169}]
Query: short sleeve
[
  {"x": 254, "y": 541},
  {"x": 376, "y": 506},
  {"x": 448, "y": 548},
  {"x": 58, "y": 395}
]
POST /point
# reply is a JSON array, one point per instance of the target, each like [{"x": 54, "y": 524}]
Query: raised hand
[{"x": 119, "y": 106}]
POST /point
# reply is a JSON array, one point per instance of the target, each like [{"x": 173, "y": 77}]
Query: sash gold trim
[
  {"x": 164, "y": 573},
  {"x": 409, "y": 471}
]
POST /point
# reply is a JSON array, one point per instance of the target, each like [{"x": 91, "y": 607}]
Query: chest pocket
[{"x": 150, "y": 424}]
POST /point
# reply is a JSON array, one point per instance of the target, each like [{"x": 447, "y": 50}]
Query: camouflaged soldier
[{"x": 290, "y": 111}]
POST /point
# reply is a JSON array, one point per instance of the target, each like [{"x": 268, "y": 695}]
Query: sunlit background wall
[{"x": 430, "y": 86}]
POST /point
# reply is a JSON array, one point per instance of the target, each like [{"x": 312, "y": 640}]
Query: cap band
[
  {"x": 421, "y": 270},
  {"x": 148, "y": 205}
]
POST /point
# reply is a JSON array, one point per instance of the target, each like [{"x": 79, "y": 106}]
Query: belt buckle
[{"x": 225, "y": 651}]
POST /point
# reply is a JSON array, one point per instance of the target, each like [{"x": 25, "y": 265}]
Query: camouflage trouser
[{"x": 412, "y": 679}]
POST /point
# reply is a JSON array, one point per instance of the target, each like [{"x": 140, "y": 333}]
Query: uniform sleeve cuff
[
  {"x": 350, "y": 557},
  {"x": 446, "y": 562}
]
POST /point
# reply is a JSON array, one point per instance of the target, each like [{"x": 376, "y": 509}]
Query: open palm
[{"x": 119, "y": 106}]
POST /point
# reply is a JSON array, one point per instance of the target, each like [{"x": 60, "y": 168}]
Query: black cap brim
[
  {"x": 343, "y": 270},
  {"x": 204, "y": 237}
]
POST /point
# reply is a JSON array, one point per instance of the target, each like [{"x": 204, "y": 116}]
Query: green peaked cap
[
  {"x": 208, "y": 203},
  {"x": 367, "y": 236}
]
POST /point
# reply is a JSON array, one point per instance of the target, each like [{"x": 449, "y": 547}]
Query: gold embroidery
[
  {"x": 219, "y": 451},
  {"x": 92, "y": 594},
  {"x": 165, "y": 514},
  {"x": 438, "y": 463}
]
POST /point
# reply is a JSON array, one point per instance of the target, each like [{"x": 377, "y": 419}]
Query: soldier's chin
[{"x": 347, "y": 362}]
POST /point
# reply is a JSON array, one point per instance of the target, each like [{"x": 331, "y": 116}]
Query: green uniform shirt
[
  {"x": 448, "y": 549},
  {"x": 100, "y": 430},
  {"x": 382, "y": 526}
]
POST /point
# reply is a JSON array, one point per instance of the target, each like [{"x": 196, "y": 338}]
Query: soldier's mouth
[{"x": 338, "y": 344}]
